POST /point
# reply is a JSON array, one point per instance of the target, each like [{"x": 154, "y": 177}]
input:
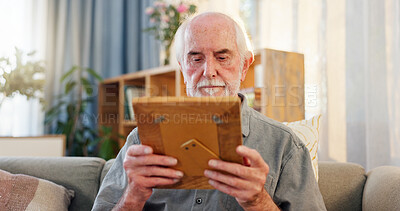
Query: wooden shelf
[
  {"x": 130, "y": 123},
  {"x": 274, "y": 82}
]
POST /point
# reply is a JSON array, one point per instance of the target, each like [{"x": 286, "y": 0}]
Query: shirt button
[{"x": 199, "y": 201}]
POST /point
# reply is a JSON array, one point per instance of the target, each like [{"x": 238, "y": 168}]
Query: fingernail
[
  {"x": 147, "y": 150},
  {"x": 207, "y": 172},
  {"x": 173, "y": 161},
  {"x": 240, "y": 148},
  {"x": 179, "y": 174},
  {"x": 211, "y": 182},
  {"x": 212, "y": 163},
  {"x": 176, "y": 180}
]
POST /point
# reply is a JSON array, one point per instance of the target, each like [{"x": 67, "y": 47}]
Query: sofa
[{"x": 344, "y": 186}]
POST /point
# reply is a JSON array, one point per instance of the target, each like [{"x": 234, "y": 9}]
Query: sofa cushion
[
  {"x": 80, "y": 174},
  {"x": 382, "y": 189},
  {"x": 308, "y": 132},
  {"x": 23, "y": 192},
  {"x": 341, "y": 185}
]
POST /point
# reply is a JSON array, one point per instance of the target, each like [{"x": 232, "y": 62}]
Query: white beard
[{"x": 230, "y": 89}]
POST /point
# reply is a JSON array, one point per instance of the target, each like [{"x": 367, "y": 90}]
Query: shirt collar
[{"x": 245, "y": 111}]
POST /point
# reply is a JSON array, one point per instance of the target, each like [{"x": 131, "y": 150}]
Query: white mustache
[{"x": 212, "y": 82}]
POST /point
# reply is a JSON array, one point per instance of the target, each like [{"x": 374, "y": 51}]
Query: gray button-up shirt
[{"x": 290, "y": 182}]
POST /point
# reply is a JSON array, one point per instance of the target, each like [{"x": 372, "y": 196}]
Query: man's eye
[
  {"x": 196, "y": 59},
  {"x": 222, "y": 58}
]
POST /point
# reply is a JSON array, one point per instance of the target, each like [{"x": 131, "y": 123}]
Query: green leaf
[
  {"x": 57, "y": 106},
  {"x": 106, "y": 130},
  {"x": 69, "y": 86},
  {"x": 53, "y": 110},
  {"x": 31, "y": 53},
  {"x": 88, "y": 100},
  {"x": 50, "y": 117},
  {"x": 60, "y": 128},
  {"x": 107, "y": 149},
  {"x": 192, "y": 9},
  {"x": 87, "y": 86},
  {"x": 78, "y": 136},
  {"x": 68, "y": 127},
  {"x": 93, "y": 132},
  {"x": 73, "y": 69},
  {"x": 94, "y": 74},
  {"x": 53, "y": 113},
  {"x": 94, "y": 142}
]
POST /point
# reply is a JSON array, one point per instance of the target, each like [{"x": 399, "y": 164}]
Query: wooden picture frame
[{"x": 191, "y": 129}]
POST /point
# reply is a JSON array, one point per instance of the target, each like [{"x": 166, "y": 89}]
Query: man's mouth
[
  {"x": 212, "y": 90},
  {"x": 211, "y": 87}
]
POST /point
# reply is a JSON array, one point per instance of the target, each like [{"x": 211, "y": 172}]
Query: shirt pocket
[{"x": 270, "y": 185}]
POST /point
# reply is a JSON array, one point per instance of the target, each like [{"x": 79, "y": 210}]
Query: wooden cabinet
[{"x": 274, "y": 85}]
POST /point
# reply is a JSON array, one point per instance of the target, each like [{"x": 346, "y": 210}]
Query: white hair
[{"x": 242, "y": 39}]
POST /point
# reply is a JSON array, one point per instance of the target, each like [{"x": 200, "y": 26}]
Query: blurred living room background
[{"x": 351, "y": 61}]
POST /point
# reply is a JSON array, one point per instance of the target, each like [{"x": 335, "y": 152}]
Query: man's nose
[{"x": 210, "y": 69}]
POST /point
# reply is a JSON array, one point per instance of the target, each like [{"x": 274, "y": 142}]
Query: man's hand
[
  {"x": 244, "y": 182},
  {"x": 145, "y": 170}
]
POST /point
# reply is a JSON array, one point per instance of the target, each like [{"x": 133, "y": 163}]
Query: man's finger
[
  {"x": 224, "y": 188},
  {"x": 136, "y": 150},
  {"x": 150, "y": 160},
  {"x": 227, "y": 179},
  {"x": 232, "y": 168},
  {"x": 254, "y": 157},
  {"x": 151, "y": 182},
  {"x": 246, "y": 161},
  {"x": 152, "y": 171}
]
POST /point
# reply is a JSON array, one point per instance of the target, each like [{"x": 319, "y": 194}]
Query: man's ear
[
  {"x": 184, "y": 76},
  {"x": 246, "y": 66}
]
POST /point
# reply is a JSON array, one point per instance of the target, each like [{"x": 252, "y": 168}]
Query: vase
[{"x": 165, "y": 54}]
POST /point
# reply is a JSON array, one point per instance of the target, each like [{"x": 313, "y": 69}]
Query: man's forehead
[
  {"x": 209, "y": 32},
  {"x": 211, "y": 22},
  {"x": 218, "y": 33}
]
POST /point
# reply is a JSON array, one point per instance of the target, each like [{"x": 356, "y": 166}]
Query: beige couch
[{"x": 344, "y": 186}]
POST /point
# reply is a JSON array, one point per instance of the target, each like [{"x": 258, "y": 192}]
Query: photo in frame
[{"x": 191, "y": 129}]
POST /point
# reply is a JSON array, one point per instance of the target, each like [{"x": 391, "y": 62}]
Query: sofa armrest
[{"x": 382, "y": 189}]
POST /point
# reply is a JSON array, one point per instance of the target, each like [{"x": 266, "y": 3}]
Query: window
[{"x": 24, "y": 24}]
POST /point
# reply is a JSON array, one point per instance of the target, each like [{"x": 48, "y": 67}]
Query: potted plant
[
  {"x": 166, "y": 19},
  {"x": 77, "y": 124},
  {"x": 21, "y": 75}
]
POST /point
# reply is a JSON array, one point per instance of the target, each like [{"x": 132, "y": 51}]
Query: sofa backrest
[
  {"x": 382, "y": 189},
  {"x": 81, "y": 174},
  {"x": 341, "y": 185}
]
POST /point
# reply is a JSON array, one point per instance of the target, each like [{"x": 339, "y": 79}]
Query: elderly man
[{"x": 214, "y": 58}]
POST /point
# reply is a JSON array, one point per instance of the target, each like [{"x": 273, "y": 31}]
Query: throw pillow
[
  {"x": 308, "y": 132},
  {"x": 22, "y": 192}
]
